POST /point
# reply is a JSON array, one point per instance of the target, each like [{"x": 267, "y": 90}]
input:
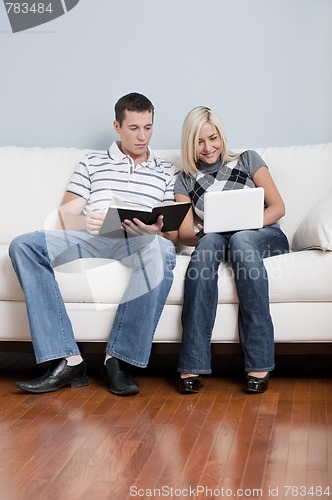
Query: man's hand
[
  {"x": 136, "y": 227},
  {"x": 94, "y": 221}
]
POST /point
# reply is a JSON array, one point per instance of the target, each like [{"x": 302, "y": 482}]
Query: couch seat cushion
[{"x": 296, "y": 277}]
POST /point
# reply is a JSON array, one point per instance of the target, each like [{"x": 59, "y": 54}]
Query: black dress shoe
[
  {"x": 58, "y": 376},
  {"x": 189, "y": 385},
  {"x": 115, "y": 375},
  {"x": 257, "y": 385}
]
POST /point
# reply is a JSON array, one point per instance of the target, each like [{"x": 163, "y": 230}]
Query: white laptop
[{"x": 233, "y": 210}]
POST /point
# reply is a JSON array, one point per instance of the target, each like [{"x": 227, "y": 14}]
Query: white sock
[
  {"x": 107, "y": 357},
  {"x": 74, "y": 360}
]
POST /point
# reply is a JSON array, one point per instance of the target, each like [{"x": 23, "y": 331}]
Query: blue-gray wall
[{"x": 264, "y": 65}]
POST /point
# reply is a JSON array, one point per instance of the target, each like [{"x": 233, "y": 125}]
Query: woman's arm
[
  {"x": 275, "y": 207},
  {"x": 186, "y": 230}
]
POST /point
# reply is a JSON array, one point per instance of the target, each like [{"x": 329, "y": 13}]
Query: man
[{"x": 129, "y": 170}]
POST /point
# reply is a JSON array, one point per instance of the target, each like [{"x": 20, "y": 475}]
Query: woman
[{"x": 206, "y": 161}]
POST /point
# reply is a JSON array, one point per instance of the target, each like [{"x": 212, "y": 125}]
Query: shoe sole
[
  {"x": 74, "y": 384},
  {"x": 126, "y": 392},
  {"x": 188, "y": 392},
  {"x": 252, "y": 391},
  {"x": 255, "y": 391}
]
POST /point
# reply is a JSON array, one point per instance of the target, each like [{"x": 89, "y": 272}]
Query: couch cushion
[
  {"x": 9, "y": 286},
  {"x": 40, "y": 177},
  {"x": 295, "y": 277},
  {"x": 300, "y": 277},
  {"x": 315, "y": 231},
  {"x": 303, "y": 175},
  {"x": 36, "y": 179},
  {"x": 84, "y": 280}
]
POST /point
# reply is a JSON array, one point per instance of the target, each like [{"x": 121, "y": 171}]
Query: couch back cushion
[
  {"x": 34, "y": 181},
  {"x": 303, "y": 175}
]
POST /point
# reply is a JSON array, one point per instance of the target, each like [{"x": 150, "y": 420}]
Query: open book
[{"x": 173, "y": 213}]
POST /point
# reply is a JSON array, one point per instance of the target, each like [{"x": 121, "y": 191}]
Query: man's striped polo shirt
[{"x": 103, "y": 176}]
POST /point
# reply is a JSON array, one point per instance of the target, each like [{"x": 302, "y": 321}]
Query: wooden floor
[{"x": 87, "y": 444}]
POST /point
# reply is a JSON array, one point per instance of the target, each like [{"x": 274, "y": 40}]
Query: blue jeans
[
  {"x": 152, "y": 259},
  {"x": 246, "y": 251}
]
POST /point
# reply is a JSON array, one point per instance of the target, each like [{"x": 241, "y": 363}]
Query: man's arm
[{"x": 71, "y": 215}]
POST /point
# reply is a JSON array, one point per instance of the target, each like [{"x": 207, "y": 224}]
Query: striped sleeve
[{"x": 80, "y": 183}]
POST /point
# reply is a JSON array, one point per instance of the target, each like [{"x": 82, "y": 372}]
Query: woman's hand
[{"x": 200, "y": 233}]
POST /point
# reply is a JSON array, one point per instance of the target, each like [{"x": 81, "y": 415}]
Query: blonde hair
[{"x": 191, "y": 128}]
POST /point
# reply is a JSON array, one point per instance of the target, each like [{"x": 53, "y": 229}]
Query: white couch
[{"x": 34, "y": 180}]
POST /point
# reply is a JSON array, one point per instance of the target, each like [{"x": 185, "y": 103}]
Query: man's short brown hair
[{"x": 132, "y": 102}]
